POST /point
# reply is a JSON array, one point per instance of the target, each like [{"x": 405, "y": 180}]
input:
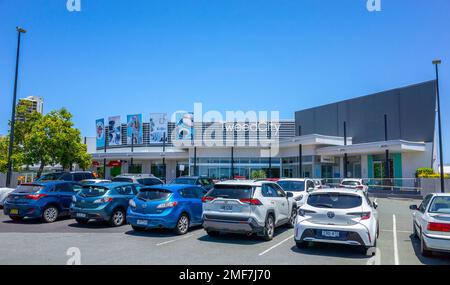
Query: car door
[
  {"x": 197, "y": 205},
  {"x": 64, "y": 192},
  {"x": 126, "y": 193},
  {"x": 419, "y": 215},
  {"x": 282, "y": 201}
]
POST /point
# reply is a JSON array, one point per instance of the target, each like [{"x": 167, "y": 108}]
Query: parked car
[
  {"x": 66, "y": 176},
  {"x": 94, "y": 181},
  {"x": 143, "y": 179},
  {"x": 339, "y": 216},
  {"x": 204, "y": 182},
  {"x": 47, "y": 200},
  {"x": 248, "y": 207},
  {"x": 103, "y": 202},
  {"x": 176, "y": 207},
  {"x": 4, "y": 192},
  {"x": 353, "y": 183},
  {"x": 431, "y": 223},
  {"x": 299, "y": 187}
]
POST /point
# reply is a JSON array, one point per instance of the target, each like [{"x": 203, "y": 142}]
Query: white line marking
[
  {"x": 390, "y": 231},
  {"x": 375, "y": 260},
  {"x": 278, "y": 244},
  {"x": 394, "y": 229},
  {"x": 174, "y": 240}
]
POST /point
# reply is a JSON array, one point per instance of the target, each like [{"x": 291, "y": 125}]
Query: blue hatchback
[
  {"x": 103, "y": 202},
  {"x": 47, "y": 200},
  {"x": 175, "y": 207}
]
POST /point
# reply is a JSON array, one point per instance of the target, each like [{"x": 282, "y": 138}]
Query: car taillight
[
  {"x": 363, "y": 215},
  {"x": 438, "y": 227},
  {"x": 207, "y": 199},
  {"x": 302, "y": 212},
  {"x": 255, "y": 202},
  {"x": 167, "y": 205},
  {"x": 103, "y": 200},
  {"x": 360, "y": 187},
  {"x": 35, "y": 196}
]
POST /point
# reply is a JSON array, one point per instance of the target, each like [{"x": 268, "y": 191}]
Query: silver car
[{"x": 248, "y": 207}]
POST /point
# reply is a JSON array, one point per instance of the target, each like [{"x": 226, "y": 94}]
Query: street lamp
[
  {"x": 441, "y": 156},
  {"x": 13, "y": 113}
]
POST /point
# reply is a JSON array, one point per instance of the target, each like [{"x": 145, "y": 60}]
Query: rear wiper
[{"x": 324, "y": 205}]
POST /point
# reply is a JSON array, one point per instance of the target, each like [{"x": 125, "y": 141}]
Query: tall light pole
[
  {"x": 441, "y": 156},
  {"x": 13, "y": 113}
]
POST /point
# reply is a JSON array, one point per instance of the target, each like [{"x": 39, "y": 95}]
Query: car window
[
  {"x": 149, "y": 181},
  {"x": 64, "y": 187},
  {"x": 231, "y": 192},
  {"x": 350, "y": 183},
  {"x": 424, "y": 204},
  {"x": 268, "y": 191},
  {"x": 66, "y": 177},
  {"x": 125, "y": 190},
  {"x": 77, "y": 187},
  {"x": 294, "y": 186},
  {"x": 50, "y": 177},
  {"x": 122, "y": 179},
  {"x": 310, "y": 184},
  {"x": 78, "y": 176},
  {"x": 440, "y": 205},
  {"x": 152, "y": 194},
  {"x": 334, "y": 201},
  {"x": 182, "y": 180},
  {"x": 88, "y": 175},
  {"x": 28, "y": 188},
  {"x": 188, "y": 193},
  {"x": 205, "y": 182},
  {"x": 279, "y": 192},
  {"x": 200, "y": 192},
  {"x": 93, "y": 191}
]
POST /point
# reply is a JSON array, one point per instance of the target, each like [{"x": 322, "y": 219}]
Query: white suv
[
  {"x": 248, "y": 207},
  {"x": 341, "y": 216}
]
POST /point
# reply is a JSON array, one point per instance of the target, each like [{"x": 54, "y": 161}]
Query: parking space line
[
  {"x": 394, "y": 230},
  {"x": 390, "y": 231},
  {"x": 278, "y": 244},
  {"x": 174, "y": 240}
]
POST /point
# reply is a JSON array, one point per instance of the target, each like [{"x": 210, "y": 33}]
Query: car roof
[
  {"x": 245, "y": 182},
  {"x": 293, "y": 179},
  {"x": 351, "y": 179},
  {"x": 338, "y": 191},
  {"x": 170, "y": 187},
  {"x": 47, "y": 182},
  {"x": 113, "y": 184},
  {"x": 135, "y": 175},
  {"x": 442, "y": 194}
]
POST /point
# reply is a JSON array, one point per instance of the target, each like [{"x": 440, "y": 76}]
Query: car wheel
[
  {"x": 213, "y": 233},
  {"x": 182, "y": 225},
  {"x": 138, "y": 229},
  {"x": 415, "y": 231},
  {"x": 423, "y": 248},
  {"x": 117, "y": 218},
  {"x": 50, "y": 214},
  {"x": 269, "y": 228},
  {"x": 81, "y": 221},
  {"x": 292, "y": 218},
  {"x": 16, "y": 218}
]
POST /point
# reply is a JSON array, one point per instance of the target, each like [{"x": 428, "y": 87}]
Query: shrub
[{"x": 429, "y": 173}]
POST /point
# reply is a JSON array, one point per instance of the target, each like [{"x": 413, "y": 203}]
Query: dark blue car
[
  {"x": 176, "y": 207},
  {"x": 46, "y": 200},
  {"x": 103, "y": 202}
]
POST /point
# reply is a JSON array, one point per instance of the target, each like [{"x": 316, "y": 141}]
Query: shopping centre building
[{"x": 387, "y": 134}]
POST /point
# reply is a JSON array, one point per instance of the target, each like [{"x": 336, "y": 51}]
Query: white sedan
[
  {"x": 354, "y": 183},
  {"x": 339, "y": 216},
  {"x": 431, "y": 223},
  {"x": 4, "y": 192}
]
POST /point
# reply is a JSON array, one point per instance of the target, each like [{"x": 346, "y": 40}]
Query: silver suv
[
  {"x": 143, "y": 179},
  {"x": 248, "y": 207}
]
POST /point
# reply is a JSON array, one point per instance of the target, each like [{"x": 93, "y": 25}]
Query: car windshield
[
  {"x": 154, "y": 194},
  {"x": 440, "y": 205},
  {"x": 295, "y": 186},
  {"x": 28, "y": 188},
  {"x": 93, "y": 191},
  {"x": 231, "y": 192},
  {"x": 50, "y": 177},
  {"x": 187, "y": 181},
  {"x": 334, "y": 201},
  {"x": 350, "y": 183},
  {"x": 122, "y": 179}
]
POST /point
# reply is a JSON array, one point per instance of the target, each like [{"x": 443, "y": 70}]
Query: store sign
[
  {"x": 114, "y": 133},
  {"x": 95, "y": 163},
  {"x": 327, "y": 159},
  {"x": 114, "y": 163},
  {"x": 158, "y": 128},
  {"x": 100, "y": 133}
]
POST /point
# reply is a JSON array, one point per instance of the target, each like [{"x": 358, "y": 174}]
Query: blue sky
[{"x": 117, "y": 57}]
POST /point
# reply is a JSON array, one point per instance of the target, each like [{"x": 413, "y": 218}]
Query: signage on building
[
  {"x": 158, "y": 128},
  {"x": 134, "y": 129},
  {"x": 100, "y": 133},
  {"x": 184, "y": 126},
  {"x": 114, "y": 134},
  {"x": 327, "y": 159}
]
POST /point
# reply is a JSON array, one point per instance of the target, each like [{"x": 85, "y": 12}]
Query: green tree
[
  {"x": 258, "y": 174},
  {"x": 17, "y": 157}
]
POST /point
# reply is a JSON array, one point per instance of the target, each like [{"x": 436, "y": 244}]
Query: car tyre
[
  {"x": 182, "y": 226},
  {"x": 423, "y": 248},
  {"x": 292, "y": 218},
  {"x": 81, "y": 221},
  {"x": 269, "y": 228},
  {"x": 117, "y": 218},
  {"x": 213, "y": 233},
  {"x": 50, "y": 214},
  {"x": 138, "y": 229},
  {"x": 415, "y": 234}
]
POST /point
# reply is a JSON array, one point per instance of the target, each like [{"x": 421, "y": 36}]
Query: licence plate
[
  {"x": 81, "y": 215},
  {"x": 227, "y": 208},
  {"x": 141, "y": 222},
  {"x": 14, "y": 211},
  {"x": 330, "y": 234}
]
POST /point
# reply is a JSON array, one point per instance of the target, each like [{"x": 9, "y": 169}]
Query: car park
[
  {"x": 299, "y": 187},
  {"x": 248, "y": 207},
  {"x": 46, "y": 200},
  {"x": 4, "y": 192},
  {"x": 143, "y": 179},
  {"x": 202, "y": 181},
  {"x": 171, "y": 206},
  {"x": 353, "y": 183},
  {"x": 339, "y": 216},
  {"x": 431, "y": 223},
  {"x": 74, "y": 176},
  {"x": 103, "y": 202}
]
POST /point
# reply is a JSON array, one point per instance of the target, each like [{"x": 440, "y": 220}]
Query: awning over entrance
[{"x": 374, "y": 148}]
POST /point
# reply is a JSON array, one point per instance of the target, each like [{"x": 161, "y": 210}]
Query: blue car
[
  {"x": 46, "y": 200},
  {"x": 172, "y": 206},
  {"x": 103, "y": 202}
]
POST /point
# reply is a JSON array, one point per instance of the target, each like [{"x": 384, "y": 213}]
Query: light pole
[
  {"x": 13, "y": 113},
  {"x": 441, "y": 156}
]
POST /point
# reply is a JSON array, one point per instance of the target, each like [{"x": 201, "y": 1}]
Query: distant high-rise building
[{"x": 37, "y": 104}]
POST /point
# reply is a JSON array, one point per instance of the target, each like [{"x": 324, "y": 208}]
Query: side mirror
[
  {"x": 375, "y": 205},
  {"x": 289, "y": 194},
  {"x": 413, "y": 207}
]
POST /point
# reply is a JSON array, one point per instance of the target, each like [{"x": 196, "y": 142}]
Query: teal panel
[
  {"x": 398, "y": 172},
  {"x": 369, "y": 167}
]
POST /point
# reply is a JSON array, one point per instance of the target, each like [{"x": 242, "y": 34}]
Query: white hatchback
[
  {"x": 431, "y": 223},
  {"x": 341, "y": 216}
]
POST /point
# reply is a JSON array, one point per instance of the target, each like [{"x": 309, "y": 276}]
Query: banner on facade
[
  {"x": 114, "y": 132},
  {"x": 134, "y": 129},
  {"x": 184, "y": 125},
  {"x": 100, "y": 133},
  {"x": 158, "y": 128}
]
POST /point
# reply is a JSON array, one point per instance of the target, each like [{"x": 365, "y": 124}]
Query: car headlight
[
  {"x": 132, "y": 203},
  {"x": 299, "y": 198}
]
